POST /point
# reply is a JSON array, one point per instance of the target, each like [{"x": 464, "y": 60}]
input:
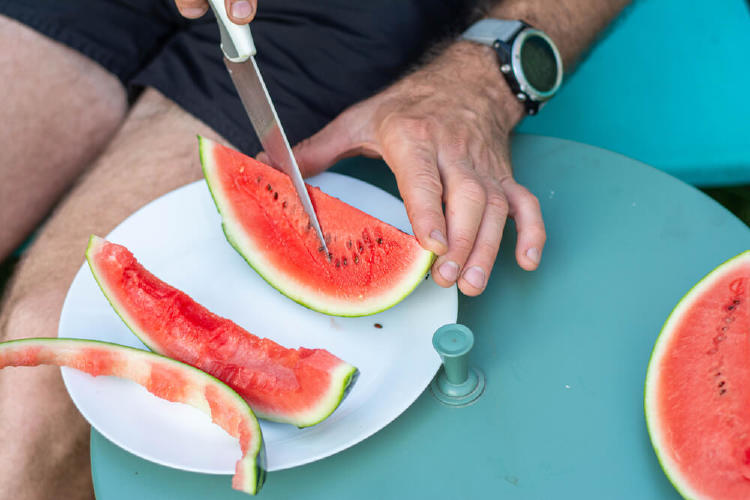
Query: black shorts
[{"x": 316, "y": 56}]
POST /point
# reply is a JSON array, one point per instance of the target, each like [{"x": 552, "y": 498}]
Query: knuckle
[
  {"x": 463, "y": 241},
  {"x": 402, "y": 126},
  {"x": 471, "y": 189}
]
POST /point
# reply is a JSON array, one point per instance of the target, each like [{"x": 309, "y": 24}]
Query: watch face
[{"x": 538, "y": 63}]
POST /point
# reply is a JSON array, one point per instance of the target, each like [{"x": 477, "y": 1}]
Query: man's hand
[
  {"x": 239, "y": 11},
  {"x": 443, "y": 130}
]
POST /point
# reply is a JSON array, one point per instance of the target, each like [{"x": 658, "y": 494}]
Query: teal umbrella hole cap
[{"x": 457, "y": 383}]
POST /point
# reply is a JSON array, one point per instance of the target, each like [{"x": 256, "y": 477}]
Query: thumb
[
  {"x": 241, "y": 11},
  {"x": 321, "y": 150},
  {"x": 349, "y": 134}
]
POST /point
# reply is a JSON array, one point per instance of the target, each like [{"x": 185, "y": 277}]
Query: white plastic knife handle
[{"x": 236, "y": 41}]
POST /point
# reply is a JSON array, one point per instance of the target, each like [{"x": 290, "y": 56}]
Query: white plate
[{"x": 178, "y": 237}]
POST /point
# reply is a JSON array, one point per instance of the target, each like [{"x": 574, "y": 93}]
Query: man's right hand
[{"x": 239, "y": 11}]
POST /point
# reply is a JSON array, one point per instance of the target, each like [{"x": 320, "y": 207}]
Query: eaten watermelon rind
[
  {"x": 137, "y": 365},
  {"x": 671, "y": 470},
  {"x": 305, "y": 296}
]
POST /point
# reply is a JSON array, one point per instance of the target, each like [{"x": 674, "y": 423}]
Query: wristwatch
[{"x": 529, "y": 59}]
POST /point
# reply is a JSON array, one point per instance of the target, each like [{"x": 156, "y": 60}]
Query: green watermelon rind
[
  {"x": 411, "y": 279},
  {"x": 651, "y": 374},
  {"x": 342, "y": 379},
  {"x": 255, "y": 475}
]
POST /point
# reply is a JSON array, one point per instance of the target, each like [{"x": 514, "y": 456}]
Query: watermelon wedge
[
  {"x": 371, "y": 265},
  {"x": 297, "y": 386},
  {"x": 161, "y": 376},
  {"x": 697, "y": 395}
]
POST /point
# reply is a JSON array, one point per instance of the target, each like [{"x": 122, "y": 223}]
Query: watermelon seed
[
  {"x": 338, "y": 263},
  {"x": 330, "y": 256},
  {"x": 360, "y": 247},
  {"x": 721, "y": 384},
  {"x": 320, "y": 248},
  {"x": 349, "y": 244},
  {"x": 268, "y": 187},
  {"x": 344, "y": 261},
  {"x": 283, "y": 205},
  {"x": 380, "y": 241},
  {"x": 309, "y": 226},
  {"x": 257, "y": 179},
  {"x": 275, "y": 196},
  {"x": 378, "y": 325},
  {"x": 356, "y": 258},
  {"x": 721, "y": 392}
]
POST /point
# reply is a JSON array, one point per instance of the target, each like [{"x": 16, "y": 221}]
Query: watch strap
[{"x": 487, "y": 31}]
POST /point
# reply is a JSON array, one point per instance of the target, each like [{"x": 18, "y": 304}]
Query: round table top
[{"x": 564, "y": 350}]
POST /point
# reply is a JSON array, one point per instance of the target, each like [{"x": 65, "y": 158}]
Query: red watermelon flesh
[
  {"x": 697, "y": 398},
  {"x": 297, "y": 386},
  {"x": 371, "y": 265},
  {"x": 161, "y": 376}
]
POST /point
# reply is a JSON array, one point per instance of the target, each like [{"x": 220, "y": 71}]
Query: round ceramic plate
[{"x": 178, "y": 237}]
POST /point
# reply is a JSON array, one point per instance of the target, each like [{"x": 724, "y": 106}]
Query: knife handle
[{"x": 236, "y": 41}]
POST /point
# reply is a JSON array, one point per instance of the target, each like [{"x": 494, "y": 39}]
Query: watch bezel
[{"x": 523, "y": 83}]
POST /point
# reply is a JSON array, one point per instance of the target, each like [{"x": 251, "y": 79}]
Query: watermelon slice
[
  {"x": 371, "y": 265},
  {"x": 697, "y": 397},
  {"x": 161, "y": 376},
  {"x": 297, "y": 386}
]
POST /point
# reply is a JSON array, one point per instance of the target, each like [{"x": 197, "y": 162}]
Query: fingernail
[
  {"x": 475, "y": 276},
  {"x": 449, "y": 271},
  {"x": 438, "y": 236},
  {"x": 241, "y": 9},
  {"x": 193, "y": 12},
  {"x": 533, "y": 254}
]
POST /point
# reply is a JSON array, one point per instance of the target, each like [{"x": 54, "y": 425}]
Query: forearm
[{"x": 572, "y": 24}]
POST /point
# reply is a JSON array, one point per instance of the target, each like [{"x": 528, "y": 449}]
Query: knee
[{"x": 30, "y": 314}]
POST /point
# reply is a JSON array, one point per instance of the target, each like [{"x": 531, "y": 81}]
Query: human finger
[
  {"x": 478, "y": 266},
  {"x": 192, "y": 9},
  {"x": 414, "y": 164},
  {"x": 241, "y": 11},
  {"x": 465, "y": 200},
  {"x": 526, "y": 212},
  {"x": 324, "y": 148}
]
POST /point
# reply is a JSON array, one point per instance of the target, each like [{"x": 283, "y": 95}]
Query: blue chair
[{"x": 667, "y": 85}]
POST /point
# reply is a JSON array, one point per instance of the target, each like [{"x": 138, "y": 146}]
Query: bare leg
[
  {"x": 44, "y": 452},
  {"x": 58, "y": 111}
]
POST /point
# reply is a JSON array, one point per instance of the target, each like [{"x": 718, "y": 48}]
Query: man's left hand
[{"x": 444, "y": 132}]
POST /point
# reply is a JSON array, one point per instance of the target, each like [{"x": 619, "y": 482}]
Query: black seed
[
  {"x": 380, "y": 241},
  {"x": 344, "y": 261},
  {"x": 257, "y": 179},
  {"x": 338, "y": 263},
  {"x": 268, "y": 187},
  {"x": 736, "y": 302},
  {"x": 275, "y": 196},
  {"x": 721, "y": 392},
  {"x": 330, "y": 256},
  {"x": 730, "y": 308},
  {"x": 283, "y": 205},
  {"x": 309, "y": 226},
  {"x": 320, "y": 249},
  {"x": 349, "y": 244},
  {"x": 360, "y": 247},
  {"x": 378, "y": 325},
  {"x": 721, "y": 384},
  {"x": 356, "y": 258}
]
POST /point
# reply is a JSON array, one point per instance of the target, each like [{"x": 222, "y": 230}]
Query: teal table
[
  {"x": 666, "y": 85},
  {"x": 564, "y": 350}
]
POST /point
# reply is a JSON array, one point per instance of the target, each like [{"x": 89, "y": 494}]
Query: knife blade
[{"x": 239, "y": 51}]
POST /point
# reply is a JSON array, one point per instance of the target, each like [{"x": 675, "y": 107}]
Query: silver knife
[{"x": 239, "y": 57}]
